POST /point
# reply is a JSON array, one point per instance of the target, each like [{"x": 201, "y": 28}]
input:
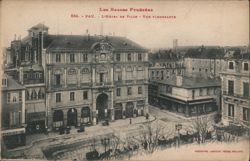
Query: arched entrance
[
  {"x": 85, "y": 115},
  {"x": 58, "y": 118},
  {"x": 72, "y": 117},
  {"x": 129, "y": 109},
  {"x": 118, "y": 111},
  {"x": 102, "y": 106}
]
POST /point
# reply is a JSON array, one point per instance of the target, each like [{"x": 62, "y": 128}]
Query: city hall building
[
  {"x": 85, "y": 79},
  {"x": 94, "y": 78}
]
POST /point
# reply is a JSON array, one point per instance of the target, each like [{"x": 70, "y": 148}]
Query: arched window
[
  {"x": 72, "y": 77},
  {"x": 85, "y": 75}
]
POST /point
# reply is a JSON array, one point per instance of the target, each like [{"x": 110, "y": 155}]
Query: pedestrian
[{"x": 130, "y": 121}]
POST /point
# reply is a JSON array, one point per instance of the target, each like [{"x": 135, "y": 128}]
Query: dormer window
[
  {"x": 231, "y": 65},
  {"x": 4, "y": 82},
  {"x": 245, "y": 66}
]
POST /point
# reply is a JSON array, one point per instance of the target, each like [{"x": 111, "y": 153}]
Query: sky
[{"x": 224, "y": 23}]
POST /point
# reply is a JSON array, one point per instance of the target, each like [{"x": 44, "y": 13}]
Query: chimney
[{"x": 179, "y": 80}]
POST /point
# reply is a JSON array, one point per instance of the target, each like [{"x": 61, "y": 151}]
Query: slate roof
[
  {"x": 40, "y": 25},
  {"x": 80, "y": 42},
  {"x": 11, "y": 84},
  {"x": 189, "y": 82},
  {"x": 205, "y": 53}
]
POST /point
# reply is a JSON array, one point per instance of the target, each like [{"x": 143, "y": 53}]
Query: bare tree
[
  {"x": 149, "y": 136},
  {"x": 201, "y": 125}
]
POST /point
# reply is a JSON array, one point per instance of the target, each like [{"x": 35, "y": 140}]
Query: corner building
[{"x": 94, "y": 78}]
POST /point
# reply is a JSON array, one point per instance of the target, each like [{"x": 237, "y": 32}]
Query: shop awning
[
  {"x": 36, "y": 116},
  {"x": 13, "y": 131}
]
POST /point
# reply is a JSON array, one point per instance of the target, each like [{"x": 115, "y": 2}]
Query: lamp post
[
  {"x": 105, "y": 142},
  {"x": 178, "y": 127}
]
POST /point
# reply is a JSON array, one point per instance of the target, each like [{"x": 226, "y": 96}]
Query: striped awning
[{"x": 11, "y": 132}]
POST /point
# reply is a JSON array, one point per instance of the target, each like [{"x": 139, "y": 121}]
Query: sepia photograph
[{"x": 163, "y": 80}]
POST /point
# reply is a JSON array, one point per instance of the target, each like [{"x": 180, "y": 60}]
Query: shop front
[{"x": 14, "y": 138}]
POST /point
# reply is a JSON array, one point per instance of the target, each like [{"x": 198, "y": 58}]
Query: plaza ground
[{"x": 36, "y": 143}]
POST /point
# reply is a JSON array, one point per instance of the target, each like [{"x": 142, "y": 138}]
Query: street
[{"x": 76, "y": 145}]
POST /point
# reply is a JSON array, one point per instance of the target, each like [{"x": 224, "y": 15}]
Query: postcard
[{"x": 125, "y": 80}]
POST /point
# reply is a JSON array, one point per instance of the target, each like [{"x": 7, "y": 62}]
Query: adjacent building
[
  {"x": 204, "y": 62},
  {"x": 12, "y": 113},
  {"x": 235, "y": 90},
  {"x": 188, "y": 96}
]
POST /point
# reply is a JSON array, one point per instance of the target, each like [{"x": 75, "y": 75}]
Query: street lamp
[
  {"x": 105, "y": 142},
  {"x": 178, "y": 127}
]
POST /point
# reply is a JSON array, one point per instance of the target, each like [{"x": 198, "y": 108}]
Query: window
[
  {"x": 101, "y": 77},
  {"x": 37, "y": 75},
  {"x": 193, "y": 69},
  {"x": 118, "y": 92},
  {"x": 118, "y": 57},
  {"x": 231, "y": 65},
  {"x": 85, "y": 57},
  {"x": 207, "y": 91},
  {"x": 72, "y": 77},
  {"x": 139, "y": 90},
  {"x": 20, "y": 96},
  {"x": 58, "y": 97},
  {"x": 193, "y": 94},
  {"x": 72, "y": 96},
  {"x": 231, "y": 110},
  {"x": 85, "y": 95},
  {"x": 245, "y": 66},
  {"x": 72, "y": 58},
  {"x": 4, "y": 82},
  {"x": 206, "y": 70},
  {"x": 129, "y": 57},
  {"x": 139, "y": 57},
  {"x": 246, "y": 114},
  {"x": 199, "y": 69},
  {"x": 245, "y": 89},
  {"x": 201, "y": 91},
  {"x": 119, "y": 76},
  {"x": 58, "y": 58},
  {"x": 230, "y": 87},
  {"x": 14, "y": 99},
  {"x": 58, "y": 79},
  {"x": 129, "y": 92},
  {"x": 25, "y": 76}
]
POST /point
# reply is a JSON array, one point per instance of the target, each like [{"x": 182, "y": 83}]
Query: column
[
  {"x": 23, "y": 107},
  {"x": 65, "y": 117},
  {"x": 49, "y": 114},
  {"x": 79, "y": 77},
  {"x": 186, "y": 111},
  {"x": 146, "y": 74},
  {"x": 78, "y": 116},
  {"x": 112, "y": 75},
  {"x": 135, "y": 73},
  {"x": 65, "y": 57},
  {"x": 124, "y": 73},
  {"x": 65, "y": 77},
  {"x": 112, "y": 112},
  {"x": 135, "y": 108},
  {"x": 94, "y": 115},
  {"x": 146, "y": 100},
  {"x": 93, "y": 75},
  {"x": 123, "y": 110},
  {"x": 49, "y": 78}
]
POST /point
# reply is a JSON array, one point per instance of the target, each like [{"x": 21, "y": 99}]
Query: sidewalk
[{"x": 90, "y": 131}]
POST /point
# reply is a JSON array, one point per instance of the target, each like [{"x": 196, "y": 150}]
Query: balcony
[
  {"x": 242, "y": 96},
  {"x": 103, "y": 84}
]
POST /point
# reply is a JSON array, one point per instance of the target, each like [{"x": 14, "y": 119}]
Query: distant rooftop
[
  {"x": 189, "y": 82},
  {"x": 11, "y": 84}
]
